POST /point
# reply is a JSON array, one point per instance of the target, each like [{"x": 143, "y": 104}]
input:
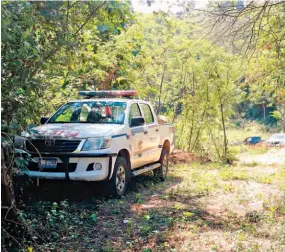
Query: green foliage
[
  {"x": 22, "y": 160},
  {"x": 147, "y": 250},
  {"x": 187, "y": 82},
  {"x": 265, "y": 74},
  {"x": 93, "y": 217},
  {"x": 230, "y": 174},
  {"x": 50, "y": 51},
  {"x": 276, "y": 114},
  {"x": 53, "y": 49},
  {"x": 139, "y": 198}
]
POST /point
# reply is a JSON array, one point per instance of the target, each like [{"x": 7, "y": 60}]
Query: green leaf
[{"x": 94, "y": 217}]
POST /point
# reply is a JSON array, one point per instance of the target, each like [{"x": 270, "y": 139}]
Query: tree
[
  {"x": 193, "y": 84},
  {"x": 49, "y": 51},
  {"x": 254, "y": 30},
  {"x": 46, "y": 45},
  {"x": 243, "y": 24}
]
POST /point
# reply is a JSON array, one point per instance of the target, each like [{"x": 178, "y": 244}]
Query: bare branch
[{"x": 90, "y": 16}]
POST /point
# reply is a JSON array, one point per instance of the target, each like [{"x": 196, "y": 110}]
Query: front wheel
[
  {"x": 161, "y": 172},
  {"x": 120, "y": 179}
]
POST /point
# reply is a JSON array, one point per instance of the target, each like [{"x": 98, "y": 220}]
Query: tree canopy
[{"x": 51, "y": 50}]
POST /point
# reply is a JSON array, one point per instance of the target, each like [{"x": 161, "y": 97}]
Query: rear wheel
[
  {"x": 161, "y": 172},
  {"x": 120, "y": 179}
]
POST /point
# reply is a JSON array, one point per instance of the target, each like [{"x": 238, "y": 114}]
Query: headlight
[{"x": 96, "y": 143}]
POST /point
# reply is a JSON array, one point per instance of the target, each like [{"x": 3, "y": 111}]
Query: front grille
[
  {"x": 58, "y": 146},
  {"x": 59, "y": 168}
]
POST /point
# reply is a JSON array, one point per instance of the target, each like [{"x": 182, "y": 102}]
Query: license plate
[{"x": 49, "y": 163}]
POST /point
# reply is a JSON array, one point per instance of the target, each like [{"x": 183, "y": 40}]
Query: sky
[{"x": 163, "y": 5}]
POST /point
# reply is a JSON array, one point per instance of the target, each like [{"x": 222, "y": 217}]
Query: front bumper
[
  {"x": 275, "y": 144},
  {"x": 82, "y": 160}
]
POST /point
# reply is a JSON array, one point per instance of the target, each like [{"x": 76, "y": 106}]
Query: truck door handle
[
  {"x": 157, "y": 130},
  {"x": 145, "y": 132}
]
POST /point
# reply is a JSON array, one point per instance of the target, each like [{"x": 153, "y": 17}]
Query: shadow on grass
[
  {"x": 48, "y": 190},
  {"x": 149, "y": 216},
  {"x": 163, "y": 226},
  {"x": 148, "y": 181},
  {"x": 52, "y": 190}
]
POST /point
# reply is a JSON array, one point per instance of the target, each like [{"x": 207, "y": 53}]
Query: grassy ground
[
  {"x": 201, "y": 207},
  {"x": 249, "y": 129}
]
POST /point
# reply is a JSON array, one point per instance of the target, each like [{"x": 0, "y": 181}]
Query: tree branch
[{"x": 90, "y": 16}]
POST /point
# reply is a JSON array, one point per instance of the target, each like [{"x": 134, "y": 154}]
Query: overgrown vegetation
[
  {"x": 104, "y": 45},
  {"x": 200, "y": 207},
  {"x": 213, "y": 73}
]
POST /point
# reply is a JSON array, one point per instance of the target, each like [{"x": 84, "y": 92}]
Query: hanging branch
[{"x": 242, "y": 22}]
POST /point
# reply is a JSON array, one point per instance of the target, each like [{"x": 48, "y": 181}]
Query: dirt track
[{"x": 272, "y": 156}]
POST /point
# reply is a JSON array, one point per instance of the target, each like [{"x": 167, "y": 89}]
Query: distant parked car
[
  {"x": 276, "y": 140},
  {"x": 252, "y": 140}
]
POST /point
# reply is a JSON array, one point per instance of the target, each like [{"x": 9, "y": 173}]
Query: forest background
[{"x": 207, "y": 70}]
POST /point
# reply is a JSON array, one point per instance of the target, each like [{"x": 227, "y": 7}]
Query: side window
[
  {"x": 148, "y": 117},
  {"x": 134, "y": 112}
]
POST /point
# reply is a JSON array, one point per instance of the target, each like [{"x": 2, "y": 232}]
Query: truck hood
[{"x": 74, "y": 130}]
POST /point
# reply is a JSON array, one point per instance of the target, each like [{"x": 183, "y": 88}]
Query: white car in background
[{"x": 276, "y": 140}]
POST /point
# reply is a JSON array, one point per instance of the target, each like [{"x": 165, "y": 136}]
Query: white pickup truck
[{"x": 102, "y": 137}]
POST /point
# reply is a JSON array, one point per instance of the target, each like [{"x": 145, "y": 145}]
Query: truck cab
[{"x": 102, "y": 137}]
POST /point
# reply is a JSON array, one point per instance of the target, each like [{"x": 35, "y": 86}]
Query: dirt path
[{"x": 271, "y": 157}]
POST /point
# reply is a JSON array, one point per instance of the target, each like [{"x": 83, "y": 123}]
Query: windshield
[{"x": 90, "y": 112}]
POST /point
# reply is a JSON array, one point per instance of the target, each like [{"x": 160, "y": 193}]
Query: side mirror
[
  {"x": 137, "y": 121},
  {"x": 44, "y": 120}
]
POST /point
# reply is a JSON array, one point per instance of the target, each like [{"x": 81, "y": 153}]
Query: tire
[
  {"x": 161, "y": 172},
  {"x": 120, "y": 178}
]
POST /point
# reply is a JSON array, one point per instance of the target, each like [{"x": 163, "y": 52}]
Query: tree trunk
[
  {"x": 264, "y": 110},
  {"x": 160, "y": 89},
  {"x": 199, "y": 129},
  {"x": 181, "y": 92},
  {"x": 106, "y": 84},
  {"x": 181, "y": 134},
  {"x": 282, "y": 120},
  {"x": 225, "y": 135},
  {"x": 192, "y": 128},
  {"x": 7, "y": 190}
]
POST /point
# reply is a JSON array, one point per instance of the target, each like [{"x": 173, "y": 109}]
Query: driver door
[{"x": 137, "y": 137}]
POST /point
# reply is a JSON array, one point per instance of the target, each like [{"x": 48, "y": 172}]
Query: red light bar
[{"x": 107, "y": 93}]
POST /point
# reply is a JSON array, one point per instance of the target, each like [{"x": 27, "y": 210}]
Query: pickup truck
[{"x": 103, "y": 137}]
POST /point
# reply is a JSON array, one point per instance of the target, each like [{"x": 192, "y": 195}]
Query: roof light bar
[{"x": 107, "y": 93}]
